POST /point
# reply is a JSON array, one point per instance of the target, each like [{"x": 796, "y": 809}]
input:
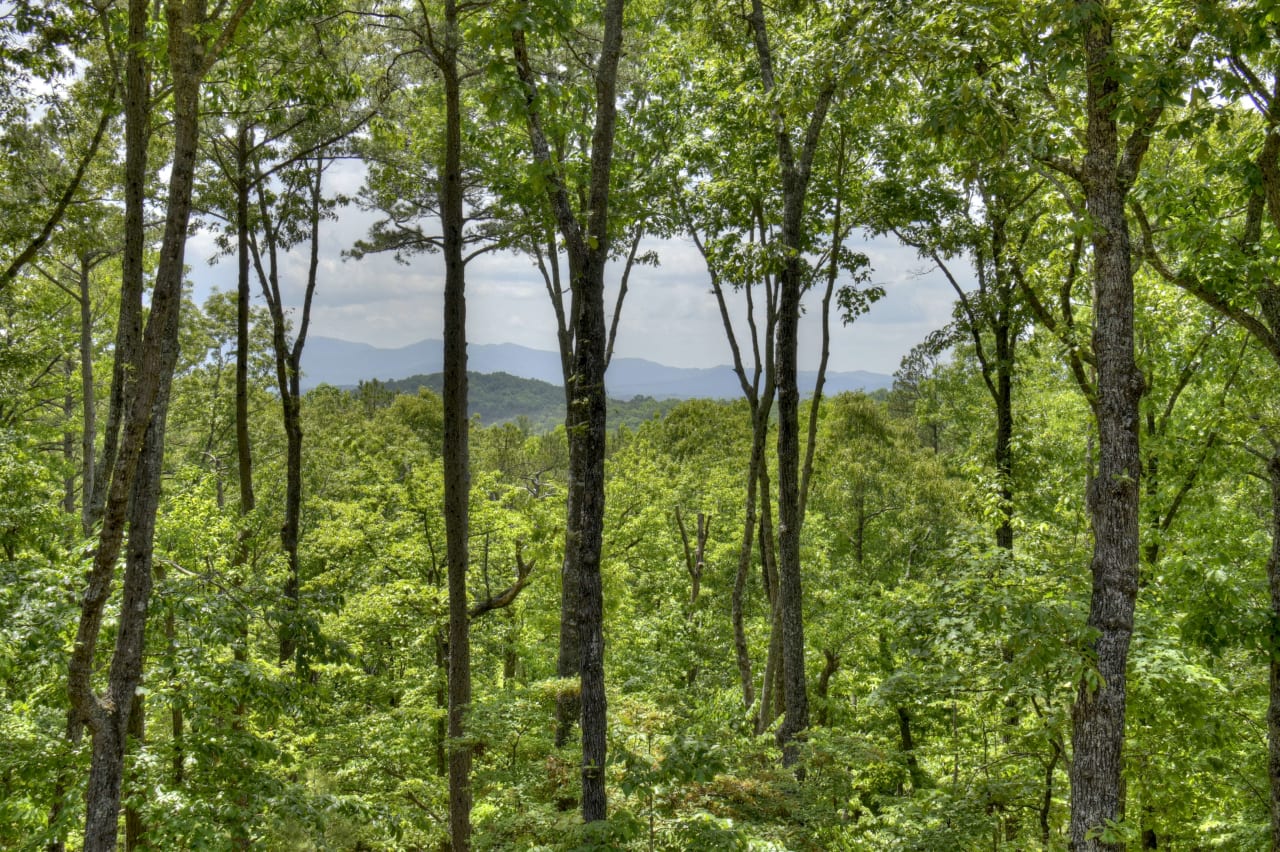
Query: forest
[{"x": 1027, "y": 599}]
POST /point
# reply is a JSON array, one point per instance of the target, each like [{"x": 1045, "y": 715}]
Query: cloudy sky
[{"x": 670, "y": 315}]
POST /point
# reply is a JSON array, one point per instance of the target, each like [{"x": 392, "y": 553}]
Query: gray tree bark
[{"x": 1098, "y": 714}]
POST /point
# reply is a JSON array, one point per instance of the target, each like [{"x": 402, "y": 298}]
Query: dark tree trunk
[
  {"x": 588, "y": 252},
  {"x": 137, "y": 135},
  {"x": 829, "y": 669},
  {"x": 918, "y": 779},
  {"x": 457, "y": 479},
  {"x": 1098, "y": 715},
  {"x": 288, "y": 377},
  {"x": 442, "y": 704},
  {"x": 1004, "y": 428},
  {"x": 244, "y": 451},
  {"x": 244, "y": 455},
  {"x": 106, "y": 773},
  {"x": 569, "y": 658},
  {"x": 742, "y": 652},
  {"x": 88, "y": 401},
  {"x": 795, "y": 183},
  {"x": 587, "y": 449},
  {"x": 1273, "y": 706},
  {"x": 135, "y": 828}
]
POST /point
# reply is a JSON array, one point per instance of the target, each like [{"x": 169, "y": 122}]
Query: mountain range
[{"x": 328, "y": 360}]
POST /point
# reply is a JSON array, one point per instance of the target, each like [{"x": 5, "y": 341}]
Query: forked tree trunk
[{"x": 588, "y": 250}]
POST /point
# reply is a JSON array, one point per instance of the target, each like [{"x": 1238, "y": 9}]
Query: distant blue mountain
[{"x": 327, "y": 360}]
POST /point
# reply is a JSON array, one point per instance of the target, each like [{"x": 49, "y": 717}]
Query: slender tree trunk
[
  {"x": 1273, "y": 707},
  {"x": 244, "y": 461},
  {"x": 457, "y": 480},
  {"x": 442, "y": 703},
  {"x": 68, "y": 440},
  {"x": 587, "y": 471},
  {"x": 288, "y": 377},
  {"x": 89, "y": 432},
  {"x": 790, "y": 596},
  {"x": 134, "y": 491},
  {"x": 244, "y": 451},
  {"x": 1046, "y": 801},
  {"x": 741, "y": 650},
  {"x": 290, "y": 631},
  {"x": 137, "y": 135},
  {"x": 829, "y": 669},
  {"x": 135, "y": 828},
  {"x": 1004, "y": 434},
  {"x": 569, "y": 658},
  {"x": 1098, "y": 714}
]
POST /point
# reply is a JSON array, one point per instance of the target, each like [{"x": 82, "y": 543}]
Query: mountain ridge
[{"x": 329, "y": 360}]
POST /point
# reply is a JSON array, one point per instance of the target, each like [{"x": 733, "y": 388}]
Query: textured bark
[
  {"x": 137, "y": 135},
  {"x": 1098, "y": 714},
  {"x": 134, "y": 489},
  {"x": 137, "y": 113},
  {"x": 569, "y": 656},
  {"x": 457, "y": 479},
  {"x": 111, "y": 734},
  {"x": 742, "y": 653},
  {"x": 1005, "y": 338}
]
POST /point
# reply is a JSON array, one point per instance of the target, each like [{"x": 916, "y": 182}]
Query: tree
[
  {"x": 135, "y": 477},
  {"x": 587, "y": 245},
  {"x": 1107, "y": 173}
]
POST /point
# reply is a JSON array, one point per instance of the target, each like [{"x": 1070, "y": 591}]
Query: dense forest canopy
[{"x": 1027, "y": 599}]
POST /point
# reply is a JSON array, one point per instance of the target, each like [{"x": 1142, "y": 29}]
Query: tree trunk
[
  {"x": 457, "y": 479},
  {"x": 88, "y": 401},
  {"x": 789, "y": 589},
  {"x": 829, "y": 669},
  {"x": 795, "y": 182},
  {"x": 1098, "y": 714},
  {"x": 1273, "y": 706},
  {"x": 134, "y": 828},
  {"x": 137, "y": 135},
  {"x": 288, "y": 377},
  {"x": 588, "y": 252},
  {"x": 134, "y": 490},
  {"x": 106, "y": 772},
  {"x": 741, "y": 650},
  {"x": 244, "y": 451},
  {"x": 569, "y": 658}
]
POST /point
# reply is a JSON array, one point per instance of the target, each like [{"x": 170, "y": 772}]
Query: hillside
[{"x": 503, "y": 398}]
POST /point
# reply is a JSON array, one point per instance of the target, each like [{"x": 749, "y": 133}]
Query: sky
[{"x": 670, "y": 314}]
